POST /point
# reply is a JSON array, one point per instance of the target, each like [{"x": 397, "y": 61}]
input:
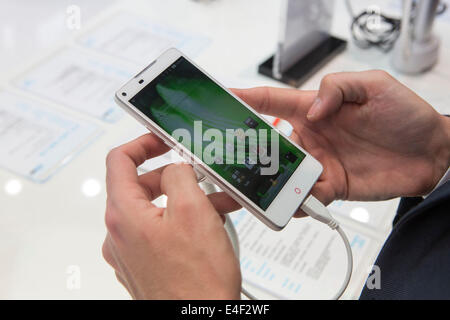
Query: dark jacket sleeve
[
  {"x": 415, "y": 260},
  {"x": 406, "y": 205}
]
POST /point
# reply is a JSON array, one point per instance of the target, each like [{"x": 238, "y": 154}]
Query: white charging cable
[{"x": 316, "y": 210}]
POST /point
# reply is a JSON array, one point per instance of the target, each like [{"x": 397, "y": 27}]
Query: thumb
[
  {"x": 185, "y": 199},
  {"x": 277, "y": 102},
  {"x": 335, "y": 90}
]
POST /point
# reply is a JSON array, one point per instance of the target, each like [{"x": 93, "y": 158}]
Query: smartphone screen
[{"x": 183, "y": 97}]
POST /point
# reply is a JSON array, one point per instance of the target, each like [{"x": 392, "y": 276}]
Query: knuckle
[
  {"x": 112, "y": 222},
  {"x": 106, "y": 253},
  {"x": 112, "y": 154},
  {"x": 382, "y": 74},
  {"x": 169, "y": 168},
  {"x": 329, "y": 79},
  {"x": 266, "y": 89},
  {"x": 181, "y": 168},
  {"x": 186, "y": 169},
  {"x": 120, "y": 279},
  {"x": 184, "y": 205},
  {"x": 267, "y": 94}
]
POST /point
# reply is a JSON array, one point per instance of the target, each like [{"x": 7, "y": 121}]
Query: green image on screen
[{"x": 183, "y": 94}]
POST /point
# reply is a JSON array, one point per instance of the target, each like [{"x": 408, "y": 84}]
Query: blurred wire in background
[{"x": 372, "y": 28}]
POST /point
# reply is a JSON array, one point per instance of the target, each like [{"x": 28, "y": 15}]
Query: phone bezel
[{"x": 288, "y": 200}]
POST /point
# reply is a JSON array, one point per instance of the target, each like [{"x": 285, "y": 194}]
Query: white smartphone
[{"x": 255, "y": 164}]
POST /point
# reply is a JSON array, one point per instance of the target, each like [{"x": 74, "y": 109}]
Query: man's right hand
[{"x": 375, "y": 138}]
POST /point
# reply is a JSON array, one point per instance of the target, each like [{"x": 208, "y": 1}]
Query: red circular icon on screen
[{"x": 297, "y": 190}]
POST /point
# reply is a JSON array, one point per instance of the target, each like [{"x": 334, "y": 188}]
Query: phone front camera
[
  {"x": 124, "y": 94},
  {"x": 141, "y": 81}
]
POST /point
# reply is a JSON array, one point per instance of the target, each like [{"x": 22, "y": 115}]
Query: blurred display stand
[{"x": 305, "y": 43}]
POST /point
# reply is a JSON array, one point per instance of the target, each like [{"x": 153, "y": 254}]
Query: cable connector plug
[{"x": 316, "y": 210}]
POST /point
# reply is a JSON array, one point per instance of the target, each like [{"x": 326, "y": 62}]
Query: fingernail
[{"x": 314, "y": 108}]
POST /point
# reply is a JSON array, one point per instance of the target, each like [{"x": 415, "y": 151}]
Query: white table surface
[{"x": 48, "y": 227}]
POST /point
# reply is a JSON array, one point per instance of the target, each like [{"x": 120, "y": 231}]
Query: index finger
[
  {"x": 122, "y": 163},
  {"x": 278, "y": 102}
]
